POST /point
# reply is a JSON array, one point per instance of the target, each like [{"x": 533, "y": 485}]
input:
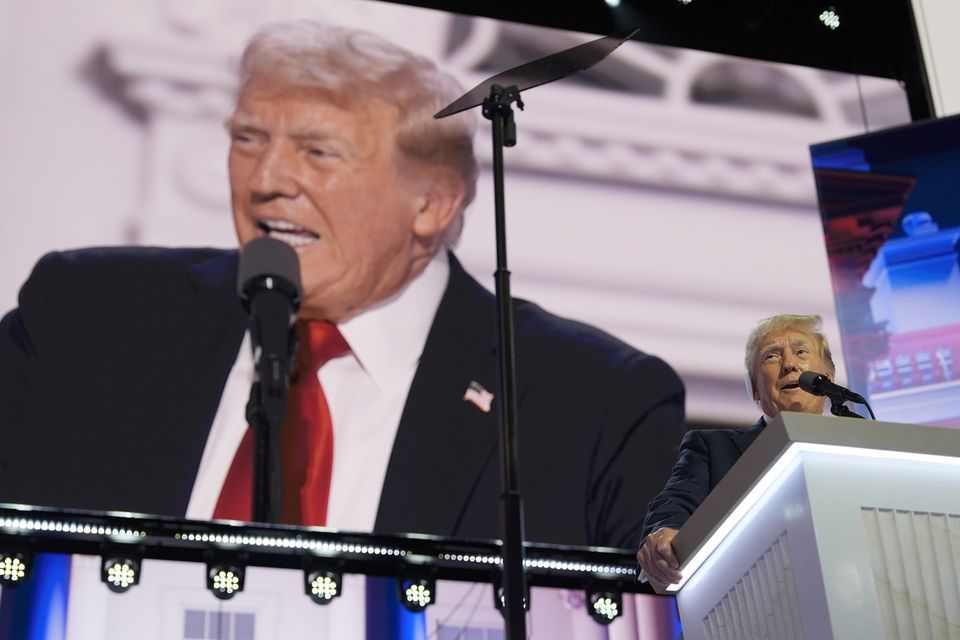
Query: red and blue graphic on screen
[{"x": 890, "y": 204}]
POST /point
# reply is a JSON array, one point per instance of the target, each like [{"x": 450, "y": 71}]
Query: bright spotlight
[
  {"x": 323, "y": 585},
  {"x": 613, "y": 4},
  {"x": 225, "y": 581},
  {"x": 416, "y": 594},
  {"x": 604, "y": 606},
  {"x": 830, "y": 19},
  {"x": 14, "y": 567},
  {"x": 119, "y": 574}
]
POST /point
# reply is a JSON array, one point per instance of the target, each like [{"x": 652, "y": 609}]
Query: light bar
[
  {"x": 28, "y": 524},
  {"x": 543, "y": 563},
  {"x": 288, "y": 543}
]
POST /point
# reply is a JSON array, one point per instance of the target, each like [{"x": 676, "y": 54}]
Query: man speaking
[
  {"x": 779, "y": 351},
  {"x": 124, "y": 371}
]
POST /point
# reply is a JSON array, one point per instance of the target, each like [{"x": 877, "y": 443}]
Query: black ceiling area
[{"x": 874, "y": 37}]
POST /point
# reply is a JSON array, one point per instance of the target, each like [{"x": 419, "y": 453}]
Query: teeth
[
  {"x": 281, "y": 225},
  {"x": 292, "y": 234},
  {"x": 293, "y": 239}
]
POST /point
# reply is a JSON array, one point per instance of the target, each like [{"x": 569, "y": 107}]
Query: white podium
[{"x": 828, "y": 528}]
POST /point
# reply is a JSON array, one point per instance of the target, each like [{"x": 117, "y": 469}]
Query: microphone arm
[{"x": 838, "y": 408}]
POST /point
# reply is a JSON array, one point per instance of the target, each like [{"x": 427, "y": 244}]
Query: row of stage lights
[{"x": 322, "y": 585}]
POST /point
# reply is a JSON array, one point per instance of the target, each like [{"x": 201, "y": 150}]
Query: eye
[{"x": 242, "y": 138}]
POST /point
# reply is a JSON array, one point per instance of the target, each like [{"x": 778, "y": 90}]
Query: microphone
[
  {"x": 268, "y": 284},
  {"x": 820, "y": 385}
]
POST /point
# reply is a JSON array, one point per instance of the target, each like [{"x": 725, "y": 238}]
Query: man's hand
[{"x": 657, "y": 558}]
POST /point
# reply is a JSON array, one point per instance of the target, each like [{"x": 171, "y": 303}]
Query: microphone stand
[
  {"x": 838, "y": 408},
  {"x": 267, "y": 406},
  {"x": 266, "y": 409},
  {"x": 496, "y": 94},
  {"x": 496, "y": 108}
]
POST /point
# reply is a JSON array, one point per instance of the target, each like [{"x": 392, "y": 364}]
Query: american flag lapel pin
[{"x": 478, "y": 396}]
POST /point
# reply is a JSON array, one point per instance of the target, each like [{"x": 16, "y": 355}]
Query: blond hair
[{"x": 353, "y": 64}]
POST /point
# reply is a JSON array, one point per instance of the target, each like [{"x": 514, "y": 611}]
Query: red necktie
[{"x": 306, "y": 440}]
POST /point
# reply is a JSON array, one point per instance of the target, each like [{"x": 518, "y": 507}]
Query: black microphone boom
[
  {"x": 269, "y": 288},
  {"x": 820, "y": 385}
]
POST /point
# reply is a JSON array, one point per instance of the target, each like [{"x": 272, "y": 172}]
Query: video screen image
[{"x": 891, "y": 220}]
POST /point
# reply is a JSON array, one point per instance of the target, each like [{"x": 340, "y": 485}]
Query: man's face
[
  {"x": 783, "y": 356},
  {"x": 327, "y": 178}
]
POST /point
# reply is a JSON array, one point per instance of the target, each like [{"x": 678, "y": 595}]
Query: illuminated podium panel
[{"x": 828, "y": 528}]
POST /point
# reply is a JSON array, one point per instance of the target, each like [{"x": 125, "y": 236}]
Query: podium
[{"x": 828, "y": 528}]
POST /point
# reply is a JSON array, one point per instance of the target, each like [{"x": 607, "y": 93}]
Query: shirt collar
[{"x": 387, "y": 339}]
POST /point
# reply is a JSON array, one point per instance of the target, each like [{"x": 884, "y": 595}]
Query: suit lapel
[
  {"x": 209, "y": 342},
  {"x": 445, "y": 444}
]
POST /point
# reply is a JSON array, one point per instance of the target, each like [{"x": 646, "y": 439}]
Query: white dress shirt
[{"x": 366, "y": 390}]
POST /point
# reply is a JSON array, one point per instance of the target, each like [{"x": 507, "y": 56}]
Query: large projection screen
[{"x": 665, "y": 196}]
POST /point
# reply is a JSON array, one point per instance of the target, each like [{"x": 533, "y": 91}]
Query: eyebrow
[
  {"x": 296, "y": 132},
  {"x": 799, "y": 342}
]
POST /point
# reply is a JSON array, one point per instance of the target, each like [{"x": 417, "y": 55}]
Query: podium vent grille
[
  {"x": 762, "y": 604},
  {"x": 916, "y": 571}
]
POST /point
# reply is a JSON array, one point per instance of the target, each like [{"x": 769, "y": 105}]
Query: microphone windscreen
[
  {"x": 267, "y": 256},
  {"x": 809, "y": 382}
]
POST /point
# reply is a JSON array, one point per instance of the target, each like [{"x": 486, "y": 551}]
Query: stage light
[
  {"x": 14, "y": 567},
  {"x": 416, "y": 594},
  {"x": 604, "y": 606},
  {"x": 613, "y": 4},
  {"x": 830, "y": 19},
  {"x": 323, "y": 585},
  {"x": 225, "y": 580},
  {"x": 119, "y": 573}
]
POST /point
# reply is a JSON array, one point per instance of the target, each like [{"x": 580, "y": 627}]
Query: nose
[
  {"x": 789, "y": 362},
  {"x": 274, "y": 173}
]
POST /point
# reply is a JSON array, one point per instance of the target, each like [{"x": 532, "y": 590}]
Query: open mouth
[{"x": 292, "y": 234}]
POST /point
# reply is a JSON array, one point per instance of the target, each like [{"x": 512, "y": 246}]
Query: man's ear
[
  {"x": 439, "y": 200},
  {"x": 751, "y": 387}
]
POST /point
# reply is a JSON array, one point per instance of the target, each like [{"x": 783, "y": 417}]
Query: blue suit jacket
[
  {"x": 706, "y": 455},
  {"x": 112, "y": 367}
]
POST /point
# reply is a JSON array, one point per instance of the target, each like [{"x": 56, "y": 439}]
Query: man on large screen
[{"x": 123, "y": 371}]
